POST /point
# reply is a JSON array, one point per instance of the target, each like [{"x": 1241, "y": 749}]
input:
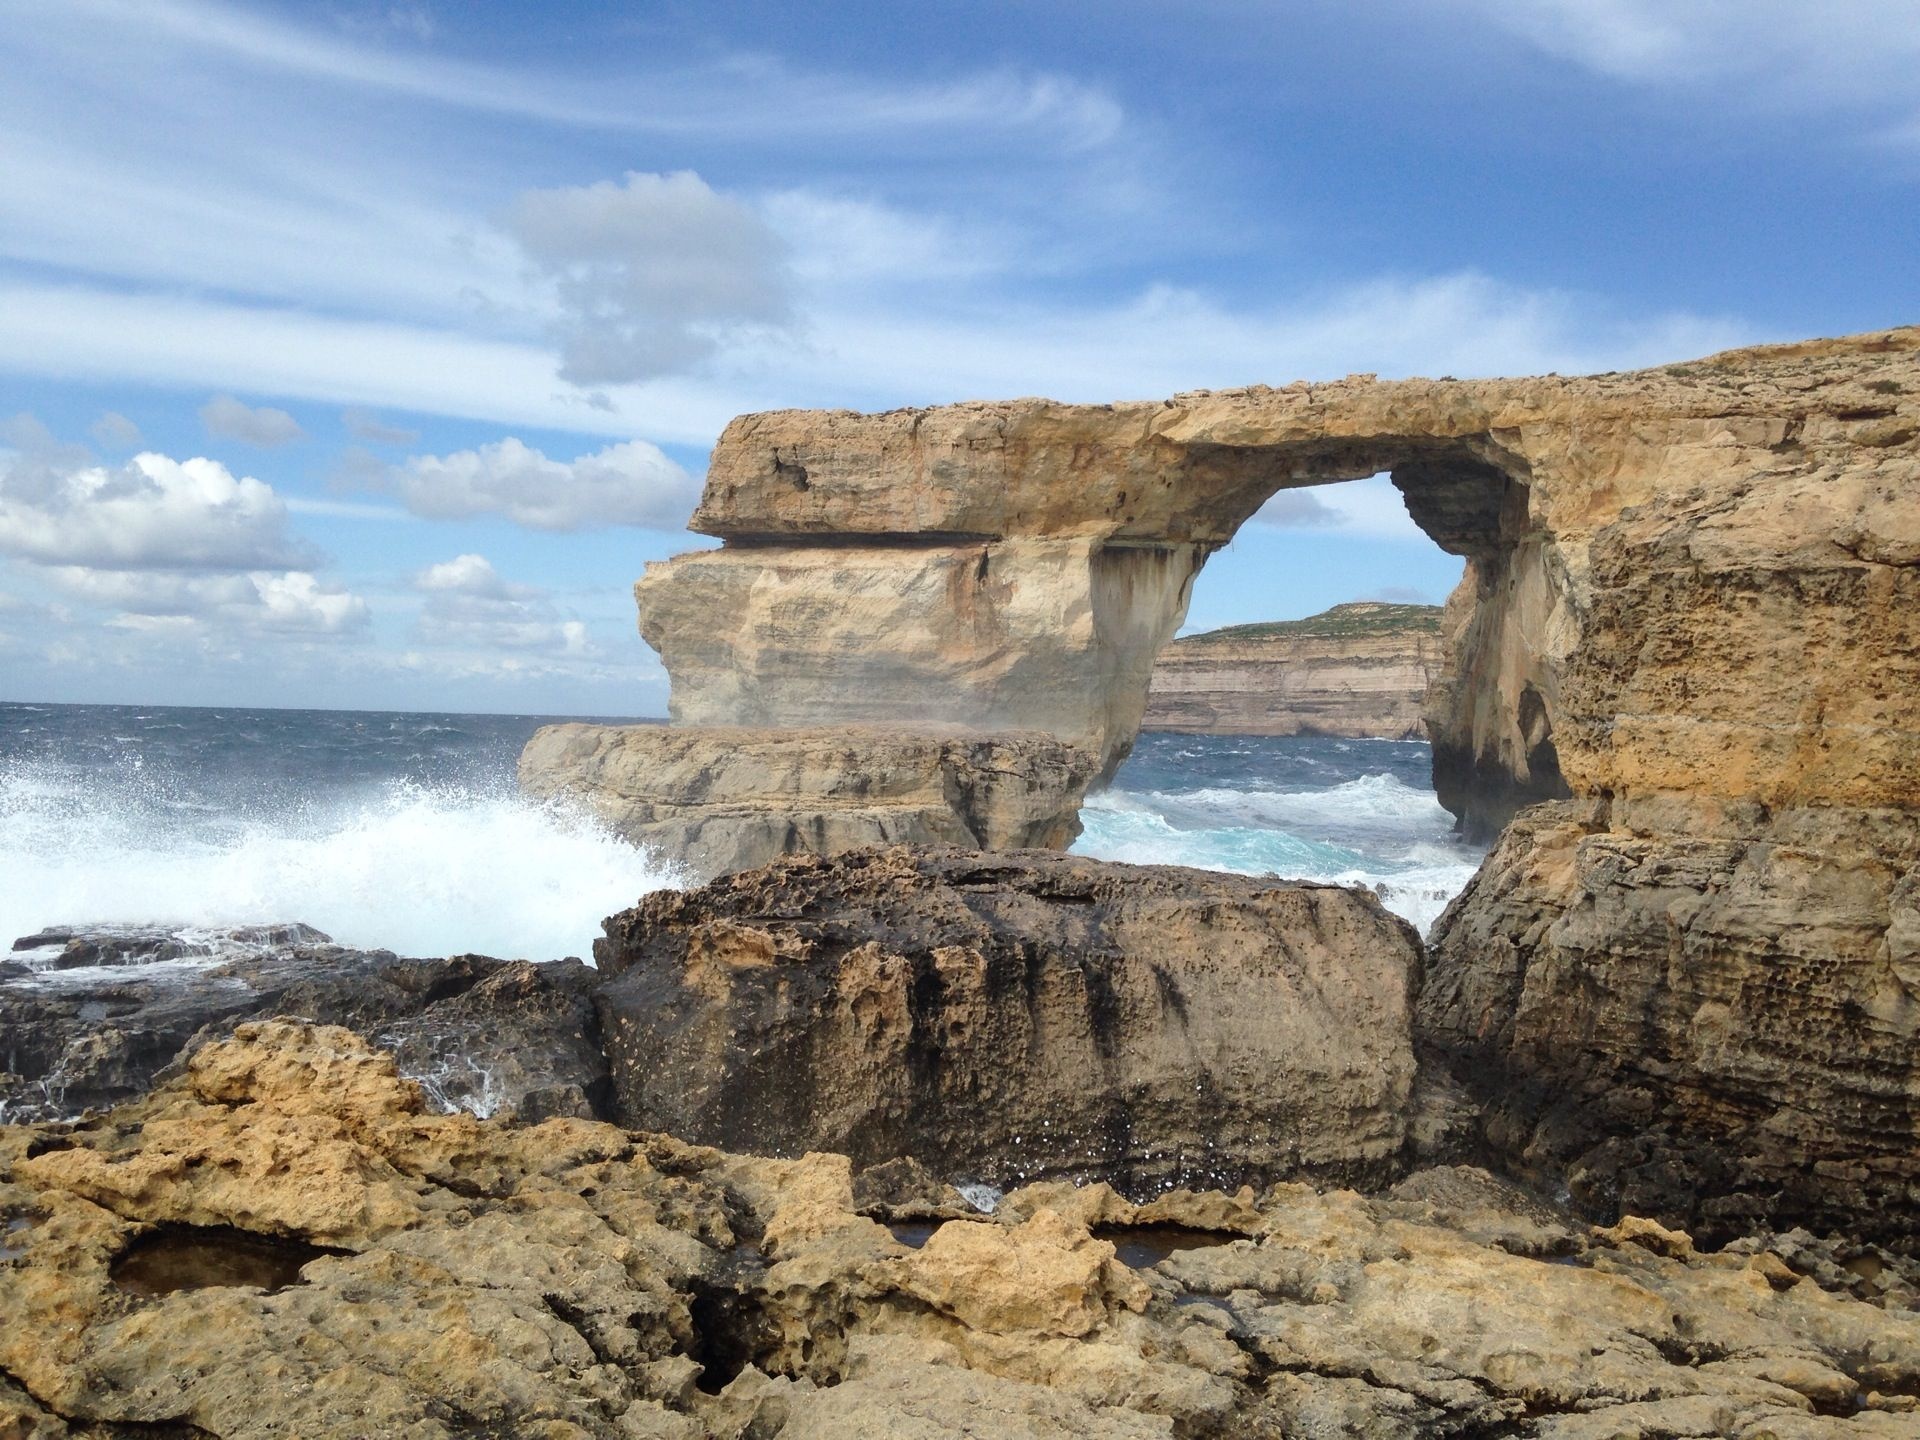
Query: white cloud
[
  {"x": 151, "y": 513},
  {"x": 467, "y": 575},
  {"x": 292, "y": 602},
  {"x": 115, "y": 431},
  {"x": 651, "y": 275},
  {"x": 470, "y": 604},
  {"x": 263, "y": 426},
  {"x": 1370, "y": 507},
  {"x": 1842, "y": 54},
  {"x": 364, "y": 424},
  {"x": 732, "y": 96},
  {"x": 627, "y": 484}
]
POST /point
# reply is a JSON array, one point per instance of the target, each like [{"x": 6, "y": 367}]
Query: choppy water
[
  {"x": 1358, "y": 812},
  {"x": 402, "y": 831},
  {"x": 405, "y": 831}
]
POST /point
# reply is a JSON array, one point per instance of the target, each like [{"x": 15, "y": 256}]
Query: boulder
[
  {"x": 481, "y": 1034},
  {"x": 714, "y": 799},
  {"x": 1002, "y": 1017}
]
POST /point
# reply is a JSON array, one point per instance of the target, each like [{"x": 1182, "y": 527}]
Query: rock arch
[
  {"x": 1019, "y": 566},
  {"x": 1692, "y": 606}
]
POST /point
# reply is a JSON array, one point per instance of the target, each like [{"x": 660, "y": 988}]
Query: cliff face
[
  {"x": 1691, "y": 603},
  {"x": 1356, "y": 670}
]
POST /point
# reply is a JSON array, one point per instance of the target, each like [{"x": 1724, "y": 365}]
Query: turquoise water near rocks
[{"x": 1301, "y": 807}]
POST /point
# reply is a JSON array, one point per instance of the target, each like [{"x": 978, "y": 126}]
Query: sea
[{"x": 405, "y": 831}]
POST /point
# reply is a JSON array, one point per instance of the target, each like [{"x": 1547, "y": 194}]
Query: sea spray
[{"x": 418, "y": 867}]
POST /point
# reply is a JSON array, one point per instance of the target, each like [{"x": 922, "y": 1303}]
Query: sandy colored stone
[
  {"x": 571, "y": 1279},
  {"x": 1691, "y": 603},
  {"x": 713, "y": 800}
]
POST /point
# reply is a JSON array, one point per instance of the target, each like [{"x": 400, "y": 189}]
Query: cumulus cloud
[
  {"x": 632, "y": 483},
  {"x": 262, "y": 425},
  {"x": 151, "y": 513},
  {"x": 293, "y": 602},
  {"x": 115, "y": 432},
  {"x": 364, "y": 424},
  {"x": 651, "y": 274},
  {"x": 468, "y": 603}
]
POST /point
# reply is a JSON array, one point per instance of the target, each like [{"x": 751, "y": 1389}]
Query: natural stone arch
[
  {"x": 1020, "y": 566},
  {"x": 1691, "y": 991}
]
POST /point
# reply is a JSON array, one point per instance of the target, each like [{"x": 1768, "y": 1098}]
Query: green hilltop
[{"x": 1358, "y": 617}]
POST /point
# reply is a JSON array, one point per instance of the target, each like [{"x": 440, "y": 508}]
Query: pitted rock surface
[{"x": 572, "y": 1279}]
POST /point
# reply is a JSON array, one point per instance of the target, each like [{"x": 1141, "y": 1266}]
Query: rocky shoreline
[
  {"x": 1635, "y": 1123},
  {"x": 425, "y": 1274}
]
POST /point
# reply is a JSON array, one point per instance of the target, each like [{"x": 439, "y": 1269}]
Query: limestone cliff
[
  {"x": 1691, "y": 603},
  {"x": 1360, "y": 669}
]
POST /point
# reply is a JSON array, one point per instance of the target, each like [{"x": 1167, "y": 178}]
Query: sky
[{"x": 361, "y": 354}]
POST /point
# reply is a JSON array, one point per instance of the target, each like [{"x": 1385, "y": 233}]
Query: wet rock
[
  {"x": 1009, "y": 1016},
  {"x": 574, "y": 1279},
  {"x": 481, "y": 1034},
  {"x": 82, "y": 947}
]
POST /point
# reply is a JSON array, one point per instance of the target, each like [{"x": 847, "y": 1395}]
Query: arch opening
[{"x": 1287, "y": 729}]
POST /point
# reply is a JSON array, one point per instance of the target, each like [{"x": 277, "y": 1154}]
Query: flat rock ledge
[
  {"x": 447, "y": 1276},
  {"x": 716, "y": 799},
  {"x": 1017, "y": 1015}
]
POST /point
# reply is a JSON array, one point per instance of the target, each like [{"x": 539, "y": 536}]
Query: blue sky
[{"x": 361, "y": 354}]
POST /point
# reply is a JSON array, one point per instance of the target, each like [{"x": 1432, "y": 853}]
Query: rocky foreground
[
  {"x": 284, "y": 1240},
  {"x": 1358, "y": 670}
]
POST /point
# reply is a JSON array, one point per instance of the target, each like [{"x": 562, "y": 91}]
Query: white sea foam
[
  {"x": 424, "y": 870},
  {"x": 1374, "y": 831}
]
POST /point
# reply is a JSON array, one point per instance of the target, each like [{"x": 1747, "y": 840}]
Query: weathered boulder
[
  {"x": 1007, "y": 1016},
  {"x": 715, "y": 799},
  {"x": 283, "y": 1241},
  {"x": 1359, "y": 670},
  {"x": 480, "y": 1034}
]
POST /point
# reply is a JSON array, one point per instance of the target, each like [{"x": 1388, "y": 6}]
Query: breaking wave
[
  {"x": 423, "y": 869},
  {"x": 1374, "y": 831}
]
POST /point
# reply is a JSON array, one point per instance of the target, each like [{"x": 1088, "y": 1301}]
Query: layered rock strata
[
  {"x": 1691, "y": 602},
  {"x": 1357, "y": 670},
  {"x": 443, "y": 1275},
  {"x": 1019, "y": 1015},
  {"x": 89, "y": 1015},
  {"x": 715, "y": 799}
]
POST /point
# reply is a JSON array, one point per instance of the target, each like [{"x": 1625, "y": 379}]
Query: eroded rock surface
[
  {"x": 101, "y": 1010},
  {"x": 1719, "y": 1028},
  {"x": 721, "y": 798},
  {"x": 1006, "y": 1016},
  {"x": 571, "y": 1279}
]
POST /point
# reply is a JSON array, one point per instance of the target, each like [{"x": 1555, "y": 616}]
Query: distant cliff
[{"x": 1358, "y": 669}]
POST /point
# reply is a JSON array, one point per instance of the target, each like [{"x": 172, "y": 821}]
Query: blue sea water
[
  {"x": 406, "y": 830},
  {"x": 1358, "y": 812}
]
